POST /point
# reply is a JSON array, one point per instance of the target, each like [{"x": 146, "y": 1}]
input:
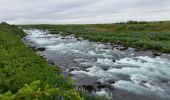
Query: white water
[{"x": 133, "y": 72}]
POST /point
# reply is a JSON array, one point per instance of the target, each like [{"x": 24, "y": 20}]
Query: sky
[{"x": 82, "y": 11}]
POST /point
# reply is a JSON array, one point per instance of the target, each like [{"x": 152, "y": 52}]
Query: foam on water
[
  {"x": 142, "y": 75},
  {"x": 102, "y": 93},
  {"x": 105, "y": 61}
]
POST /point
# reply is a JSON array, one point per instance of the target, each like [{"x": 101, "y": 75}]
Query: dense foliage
[
  {"x": 142, "y": 35},
  {"x": 33, "y": 91},
  {"x": 19, "y": 65}
]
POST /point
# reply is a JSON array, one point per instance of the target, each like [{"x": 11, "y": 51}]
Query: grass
[
  {"x": 19, "y": 65},
  {"x": 141, "y": 35}
]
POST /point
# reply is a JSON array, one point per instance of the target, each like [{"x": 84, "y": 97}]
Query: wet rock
[
  {"x": 78, "y": 39},
  {"x": 40, "y": 49},
  {"x": 73, "y": 69},
  {"x": 164, "y": 81},
  {"x": 85, "y": 70},
  {"x": 156, "y": 53},
  {"x": 104, "y": 68},
  {"x": 143, "y": 81},
  {"x": 89, "y": 88},
  {"x": 63, "y": 38},
  {"x": 112, "y": 82},
  {"x": 101, "y": 86},
  {"x": 50, "y": 62},
  {"x": 106, "y": 48},
  {"x": 98, "y": 83},
  {"x": 113, "y": 60},
  {"x": 137, "y": 50},
  {"x": 120, "y": 47}
]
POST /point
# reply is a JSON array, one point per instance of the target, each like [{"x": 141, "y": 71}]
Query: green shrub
[
  {"x": 35, "y": 91},
  {"x": 19, "y": 65}
]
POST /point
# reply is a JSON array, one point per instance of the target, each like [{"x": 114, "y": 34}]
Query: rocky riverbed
[{"x": 118, "y": 72}]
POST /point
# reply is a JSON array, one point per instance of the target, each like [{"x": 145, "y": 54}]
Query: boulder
[
  {"x": 114, "y": 60},
  {"x": 121, "y": 48},
  {"x": 40, "y": 49},
  {"x": 89, "y": 88},
  {"x": 156, "y": 53},
  {"x": 78, "y": 39}
]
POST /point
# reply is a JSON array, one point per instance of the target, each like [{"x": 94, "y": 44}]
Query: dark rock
[
  {"x": 155, "y": 53},
  {"x": 89, "y": 88},
  {"x": 41, "y": 49},
  {"x": 78, "y": 39},
  {"x": 143, "y": 81},
  {"x": 50, "y": 62},
  {"x": 112, "y": 82},
  {"x": 98, "y": 83},
  {"x": 137, "y": 50},
  {"x": 85, "y": 70},
  {"x": 164, "y": 81},
  {"x": 106, "y": 48},
  {"x": 120, "y": 47},
  {"x": 105, "y": 68},
  {"x": 72, "y": 69},
  {"x": 101, "y": 86},
  {"x": 114, "y": 60}
]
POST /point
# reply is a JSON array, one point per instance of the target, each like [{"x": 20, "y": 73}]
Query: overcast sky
[{"x": 82, "y": 11}]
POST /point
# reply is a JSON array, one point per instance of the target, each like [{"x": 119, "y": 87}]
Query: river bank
[
  {"x": 25, "y": 75},
  {"x": 104, "y": 70},
  {"x": 141, "y": 35}
]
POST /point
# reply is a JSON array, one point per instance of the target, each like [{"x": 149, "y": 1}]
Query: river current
[{"x": 120, "y": 75}]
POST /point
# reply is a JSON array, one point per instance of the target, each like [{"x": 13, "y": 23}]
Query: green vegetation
[
  {"x": 19, "y": 65},
  {"x": 33, "y": 91},
  {"x": 141, "y": 35}
]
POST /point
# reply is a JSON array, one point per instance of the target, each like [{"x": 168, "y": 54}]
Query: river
[{"x": 121, "y": 75}]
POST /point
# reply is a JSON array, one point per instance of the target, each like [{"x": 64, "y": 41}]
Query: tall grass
[
  {"x": 142, "y": 35},
  {"x": 19, "y": 65}
]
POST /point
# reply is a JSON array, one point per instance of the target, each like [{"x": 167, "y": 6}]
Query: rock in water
[
  {"x": 114, "y": 60},
  {"x": 89, "y": 88},
  {"x": 155, "y": 53},
  {"x": 120, "y": 47},
  {"x": 41, "y": 49},
  {"x": 73, "y": 68}
]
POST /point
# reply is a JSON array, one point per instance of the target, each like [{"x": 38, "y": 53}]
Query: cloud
[{"x": 82, "y": 11}]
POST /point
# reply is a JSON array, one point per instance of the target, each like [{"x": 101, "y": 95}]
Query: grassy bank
[
  {"x": 19, "y": 65},
  {"x": 141, "y": 35}
]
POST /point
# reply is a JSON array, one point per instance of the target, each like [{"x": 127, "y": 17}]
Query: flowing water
[{"x": 121, "y": 75}]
